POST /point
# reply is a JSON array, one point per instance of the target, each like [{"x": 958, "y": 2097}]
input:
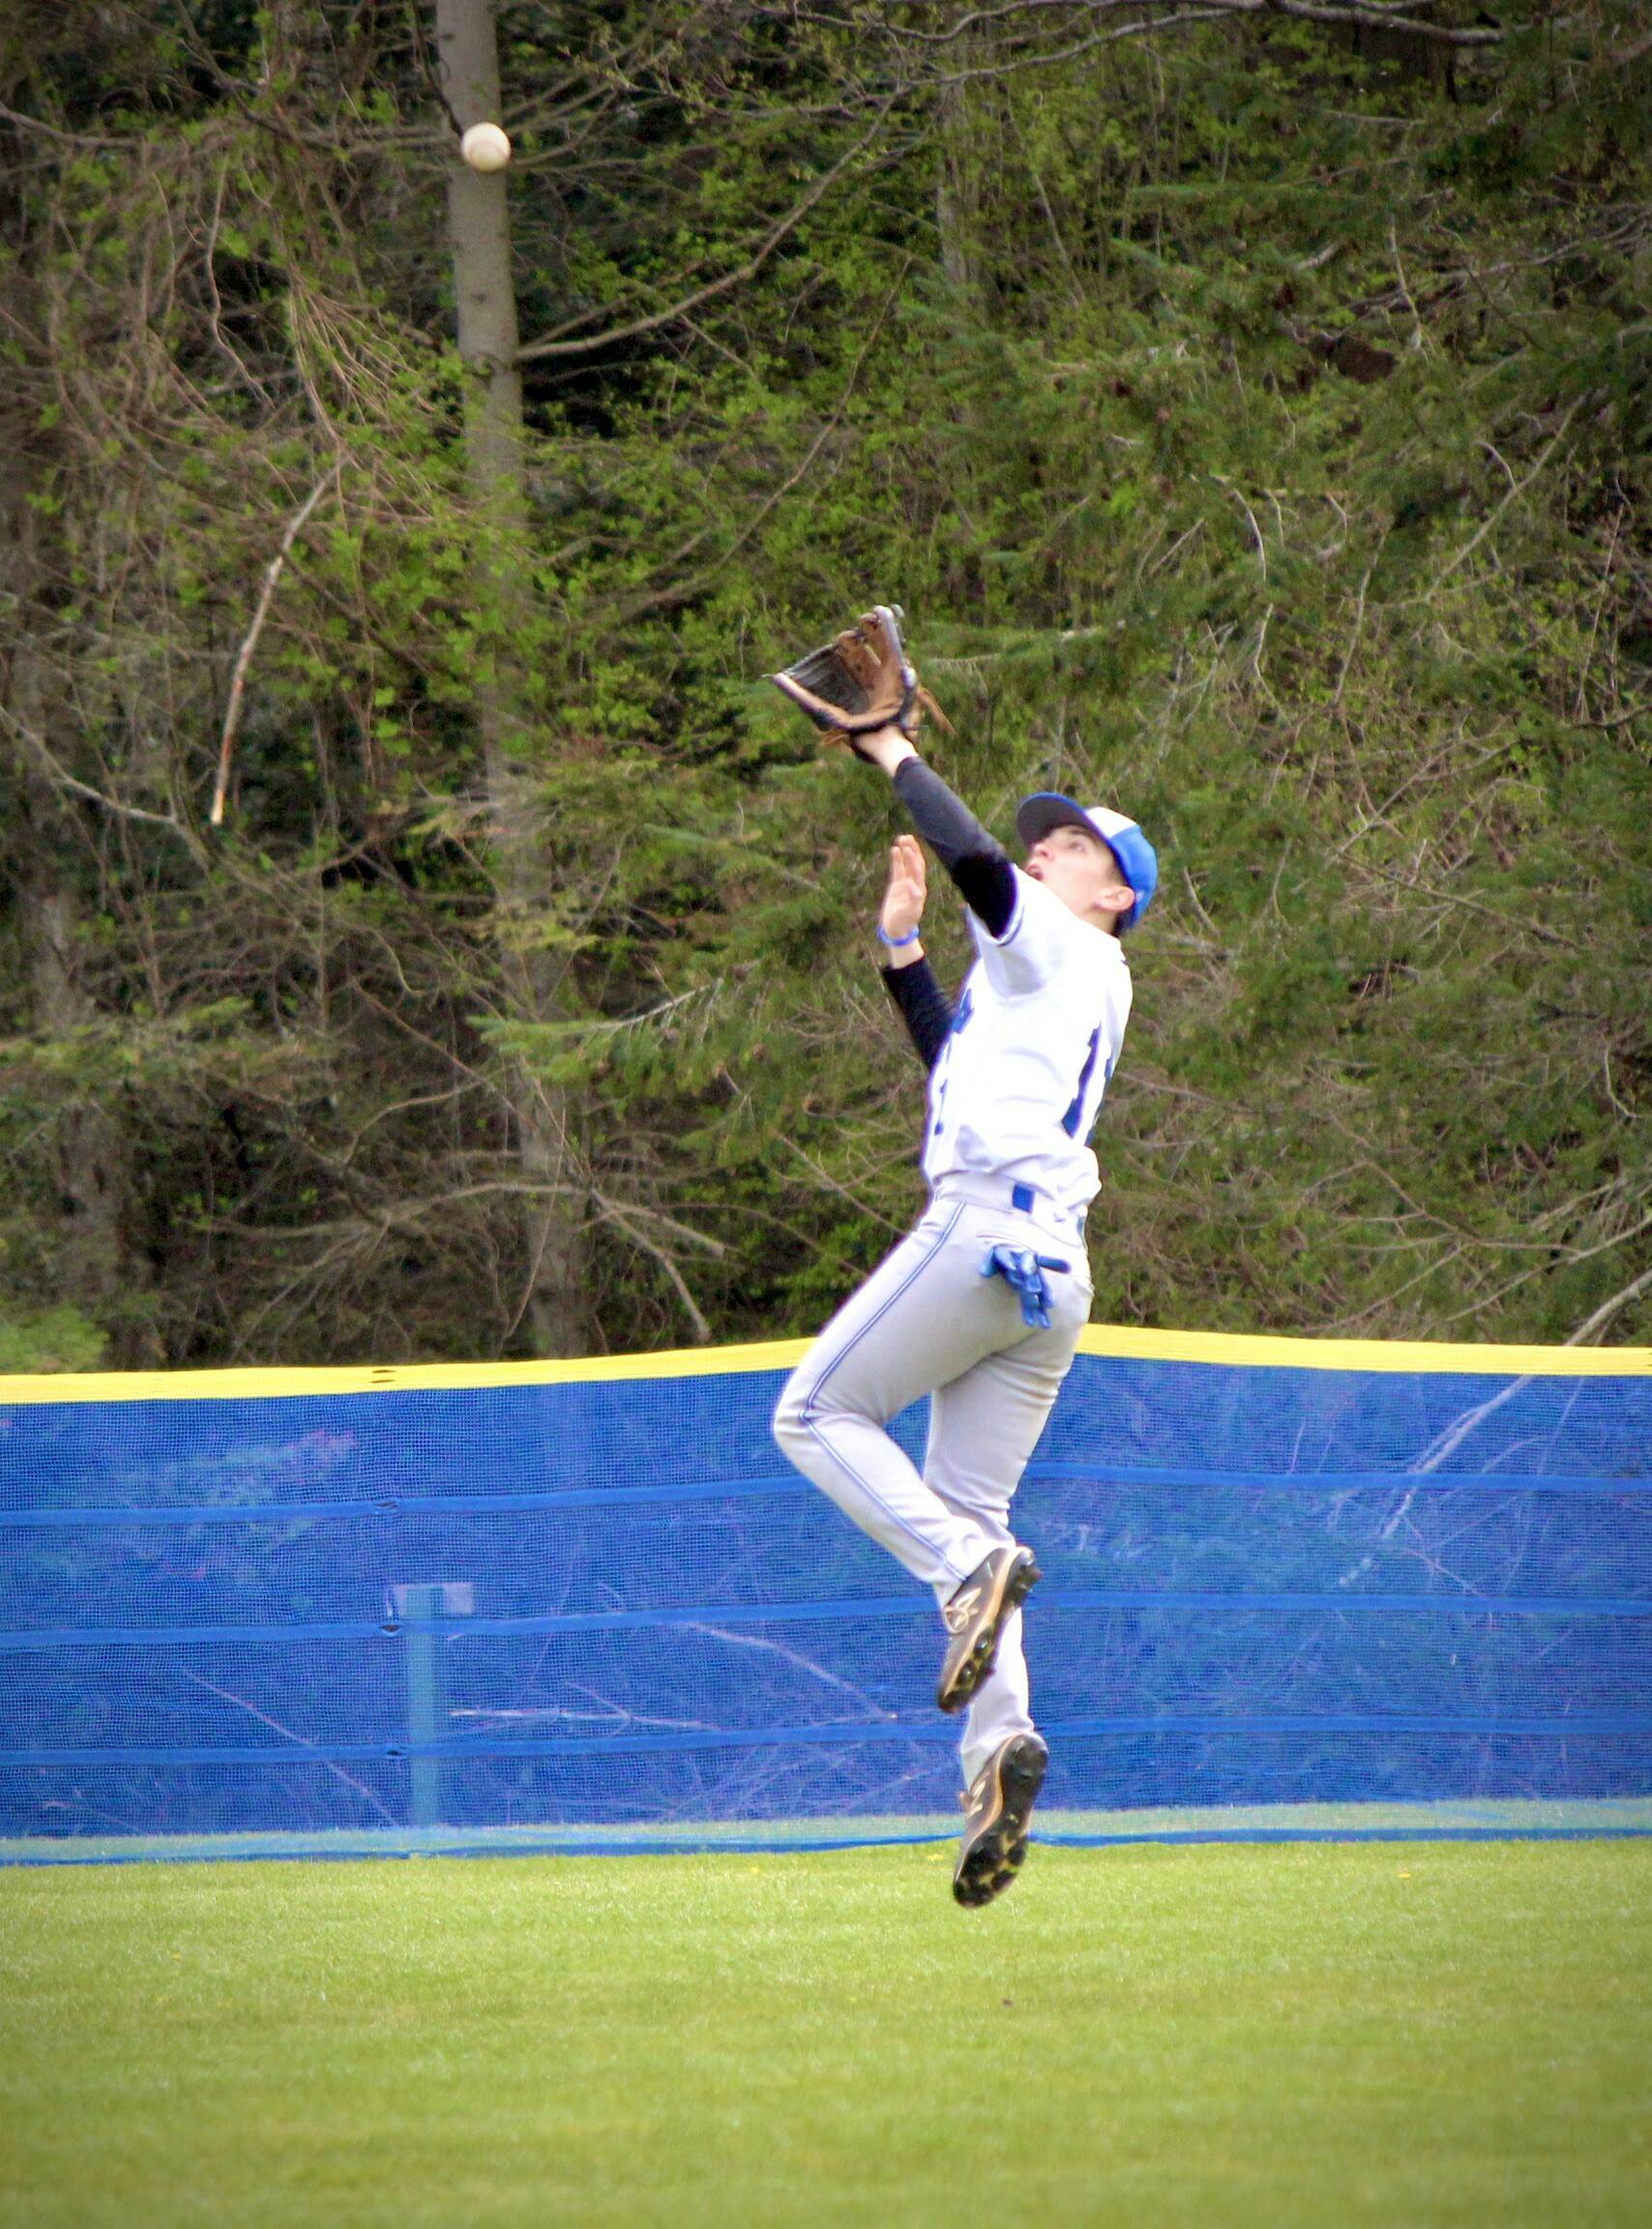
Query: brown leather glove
[{"x": 862, "y": 681}]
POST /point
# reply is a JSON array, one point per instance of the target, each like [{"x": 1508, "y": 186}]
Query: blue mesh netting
[{"x": 607, "y": 1604}]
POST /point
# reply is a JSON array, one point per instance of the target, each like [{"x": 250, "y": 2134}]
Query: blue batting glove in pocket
[{"x": 1024, "y": 1272}]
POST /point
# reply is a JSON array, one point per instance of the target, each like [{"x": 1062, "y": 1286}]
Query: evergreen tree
[{"x": 1252, "y": 415}]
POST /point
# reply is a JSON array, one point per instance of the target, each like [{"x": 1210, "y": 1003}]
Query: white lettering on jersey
[{"x": 1037, "y": 1033}]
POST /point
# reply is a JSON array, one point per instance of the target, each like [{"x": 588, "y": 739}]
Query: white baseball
[{"x": 485, "y": 147}]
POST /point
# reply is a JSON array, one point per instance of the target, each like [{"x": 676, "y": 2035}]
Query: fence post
[{"x": 416, "y": 1607}]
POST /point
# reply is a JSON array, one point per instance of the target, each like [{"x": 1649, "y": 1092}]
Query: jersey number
[
  {"x": 1070, "y": 1119},
  {"x": 965, "y": 1008}
]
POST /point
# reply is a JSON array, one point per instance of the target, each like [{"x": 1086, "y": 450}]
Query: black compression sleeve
[
  {"x": 924, "y": 1007},
  {"x": 974, "y": 858},
  {"x": 944, "y": 821}
]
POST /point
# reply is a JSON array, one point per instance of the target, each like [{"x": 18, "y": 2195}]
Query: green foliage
[
  {"x": 1256, "y": 437},
  {"x": 54, "y": 1339}
]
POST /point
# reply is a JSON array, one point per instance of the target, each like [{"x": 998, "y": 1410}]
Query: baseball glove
[{"x": 862, "y": 681}]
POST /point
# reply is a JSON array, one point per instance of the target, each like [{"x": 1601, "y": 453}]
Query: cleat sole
[
  {"x": 974, "y": 1668},
  {"x": 989, "y": 1865}
]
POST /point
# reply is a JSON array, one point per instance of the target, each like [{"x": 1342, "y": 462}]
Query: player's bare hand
[{"x": 907, "y": 889}]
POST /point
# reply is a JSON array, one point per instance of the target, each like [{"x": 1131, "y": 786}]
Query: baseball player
[{"x": 980, "y": 1307}]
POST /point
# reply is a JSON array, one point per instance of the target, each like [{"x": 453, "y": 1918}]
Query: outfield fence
[{"x": 1292, "y": 1588}]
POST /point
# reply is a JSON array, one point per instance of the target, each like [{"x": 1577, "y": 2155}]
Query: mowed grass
[{"x": 1348, "y": 2034}]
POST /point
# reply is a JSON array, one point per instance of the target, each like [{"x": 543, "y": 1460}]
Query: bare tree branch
[
  {"x": 1519, "y": 488},
  {"x": 1158, "y": 14},
  {"x": 1607, "y": 1309},
  {"x": 62, "y": 779},
  {"x": 264, "y": 1719},
  {"x": 639, "y": 1239},
  {"x": 539, "y": 349},
  {"x": 243, "y": 658}
]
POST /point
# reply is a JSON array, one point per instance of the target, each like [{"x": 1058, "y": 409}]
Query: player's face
[{"x": 1081, "y": 870}]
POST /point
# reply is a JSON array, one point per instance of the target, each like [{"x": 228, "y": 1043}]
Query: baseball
[{"x": 485, "y": 147}]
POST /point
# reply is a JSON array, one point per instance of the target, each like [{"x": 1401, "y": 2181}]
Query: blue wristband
[{"x": 895, "y": 944}]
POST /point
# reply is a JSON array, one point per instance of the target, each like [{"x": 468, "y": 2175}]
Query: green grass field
[{"x": 1393, "y": 2033}]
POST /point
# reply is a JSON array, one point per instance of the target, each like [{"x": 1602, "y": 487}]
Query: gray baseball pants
[{"x": 927, "y": 1321}]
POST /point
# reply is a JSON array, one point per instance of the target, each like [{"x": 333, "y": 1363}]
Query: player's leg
[
  {"x": 983, "y": 1430},
  {"x": 1019, "y": 1369},
  {"x": 924, "y": 1316}
]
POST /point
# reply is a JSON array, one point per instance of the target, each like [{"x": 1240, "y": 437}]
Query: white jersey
[{"x": 1037, "y": 1033}]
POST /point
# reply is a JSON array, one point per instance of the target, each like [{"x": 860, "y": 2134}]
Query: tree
[
  {"x": 1278, "y": 468},
  {"x": 555, "y": 1286}
]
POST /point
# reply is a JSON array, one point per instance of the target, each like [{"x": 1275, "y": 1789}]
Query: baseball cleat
[
  {"x": 975, "y": 1613},
  {"x": 999, "y": 1806}
]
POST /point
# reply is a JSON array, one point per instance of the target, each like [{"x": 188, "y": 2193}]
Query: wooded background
[{"x": 1247, "y": 402}]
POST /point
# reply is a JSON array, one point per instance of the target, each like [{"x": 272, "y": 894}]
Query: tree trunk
[
  {"x": 958, "y": 184},
  {"x": 555, "y": 1278}
]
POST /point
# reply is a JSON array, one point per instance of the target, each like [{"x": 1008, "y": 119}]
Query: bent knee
[
  {"x": 809, "y": 1403},
  {"x": 788, "y": 1424}
]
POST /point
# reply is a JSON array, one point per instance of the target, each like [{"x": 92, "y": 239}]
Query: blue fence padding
[{"x": 1264, "y": 1584}]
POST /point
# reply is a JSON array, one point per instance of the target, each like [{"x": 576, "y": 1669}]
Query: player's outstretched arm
[
  {"x": 862, "y": 690},
  {"x": 971, "y": 855},
  {"x": 923, "y": 1005}
]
